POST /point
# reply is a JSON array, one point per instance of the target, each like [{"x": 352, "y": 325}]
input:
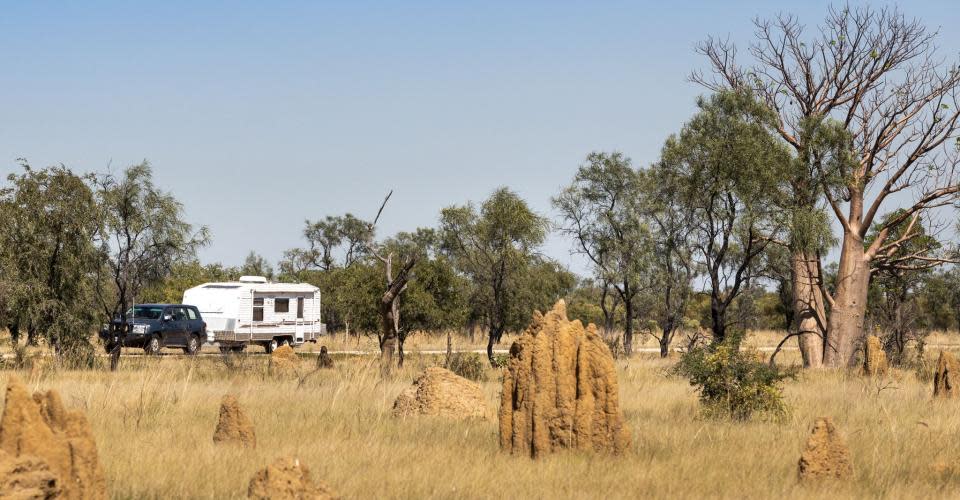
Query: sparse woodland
[{"x": 808, "y": 203}]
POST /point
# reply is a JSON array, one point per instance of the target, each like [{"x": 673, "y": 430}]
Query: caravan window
[
  {"x": 281, "y": 305},
  {"x": 258, "y": 309},
  {"x": 299, "y": 307}
]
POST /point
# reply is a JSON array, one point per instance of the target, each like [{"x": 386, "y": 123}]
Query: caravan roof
[{"x": 262, "y": 287}]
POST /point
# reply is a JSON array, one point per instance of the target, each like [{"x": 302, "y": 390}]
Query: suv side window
[
  {"x": 179, "y": 314},
  {"x": 191, "y": 313}
]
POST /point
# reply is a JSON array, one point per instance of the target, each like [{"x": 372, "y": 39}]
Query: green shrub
[
  {"x": 735, "y": 384},
  {"x": 468, "y": 365}
]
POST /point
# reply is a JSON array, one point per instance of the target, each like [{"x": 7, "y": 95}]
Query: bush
[
  {"x": 615, "y": 344},
  {"x": 468, "y": 365},
  {"x": 77, "y": 354},
  {"x": 734, "y": 384}
]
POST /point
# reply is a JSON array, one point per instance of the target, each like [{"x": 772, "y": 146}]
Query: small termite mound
[
  {"x": 284, "y": 362},
  {"x": 287, "y": 478},
  {"x": 440, "y": 392},
  {"x": 874, "y": 359},
  {"x": 826, "y": 454},
  {"x": 945, "y": 379},
  {"x": 324, "y": 360},
  {"x": 233, "y": 425}
]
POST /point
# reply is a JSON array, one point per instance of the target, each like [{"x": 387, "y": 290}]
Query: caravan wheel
[{"x": 271, "y": 346}]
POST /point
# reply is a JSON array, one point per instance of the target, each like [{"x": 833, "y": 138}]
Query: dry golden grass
[{"x": 154, "y": 422}]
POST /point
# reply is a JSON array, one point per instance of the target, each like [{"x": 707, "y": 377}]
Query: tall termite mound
[
  {"x": 287, "y": 478},
  {"x": 560, "y": 390},
  {"x": 826, "y": 454},
  {"x": 946, "y": 377},
  {"x": 233, "y": 425},
  {"x": 41, "y": 427},
  {"x": 440, "y": 392},
  {"x": 874, "y": 359}
]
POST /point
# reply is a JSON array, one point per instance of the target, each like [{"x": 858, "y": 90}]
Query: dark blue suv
[{"x": 155, "y": 326}]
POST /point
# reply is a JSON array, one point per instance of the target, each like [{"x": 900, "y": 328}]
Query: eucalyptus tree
[
  {"x": 727, "y": 168},
  {"x": 334, "y": 241},
  {"x": 673, "y": 267},
  {"x": 143, "y": 234},
  {"x": 47, "y": 257},
  {"x": 494, "y": 246},
  {"x": 600, "y": 211},
  {"x": 896, "y": 281},
  {"x": 875, "y": 80},
  {"x": 255, "y": 265}
]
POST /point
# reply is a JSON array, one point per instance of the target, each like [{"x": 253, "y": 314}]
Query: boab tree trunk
[
  {"x": 808, "y": 305},
  {"x": 850, "y": 302}
]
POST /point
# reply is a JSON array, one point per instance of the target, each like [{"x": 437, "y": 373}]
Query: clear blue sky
[{"x": 259, "y": 115}]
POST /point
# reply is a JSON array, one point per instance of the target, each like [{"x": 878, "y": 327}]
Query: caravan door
[{"x": 299, "y": 328}]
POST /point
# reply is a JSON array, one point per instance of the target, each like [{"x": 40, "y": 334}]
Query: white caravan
[{"x": 253, "y": 311}]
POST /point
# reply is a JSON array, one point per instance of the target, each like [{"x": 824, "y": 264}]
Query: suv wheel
[
  {"x": 193, "y": 345},
  {"x": 153, "y": 346},
  {"x": 271, "y": 346}
]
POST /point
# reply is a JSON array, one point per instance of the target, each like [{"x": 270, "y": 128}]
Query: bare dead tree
[
  {"x": 871, "y": 81},
  {"x": 391, "y": 336}
]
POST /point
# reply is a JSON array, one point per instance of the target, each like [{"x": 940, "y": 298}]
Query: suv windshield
[{"x": 145, "y": 312}]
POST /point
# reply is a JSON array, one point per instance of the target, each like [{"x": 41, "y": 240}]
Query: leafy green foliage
[
  {"x": 496, "y": 247},
  {"x": 897, "y": 283},
  {"x": 468, "y": 365},
  {"x": 600, "y": 210},
  {"x": 734, "y": 384},
  {"x": 728, "y": 166},
  {"x": 256, "y": 265},
  {"x": 47, "y": 256},
  {"x": 144, "y": 235},
  {"x": 184, "y": 275}
]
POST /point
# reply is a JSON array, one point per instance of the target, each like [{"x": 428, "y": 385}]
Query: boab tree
[{"x": 875, "y": 76}]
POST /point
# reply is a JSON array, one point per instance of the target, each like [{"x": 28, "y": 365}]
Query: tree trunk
[
  {"x": 850, "y": 303},
  {"x": 718, "y": 319},
  {"x": 389, "y": 317},
  {"x": 666, "y": 335},
  {"x": 607, "y": 313},
  {"x": 446, "y": 363},
  {"x": 808, "y": 307},
  {"x": 387, "y": 348},
  {"x": 400, "y": 341},
  {"x": 628, "y": 328},
  {"x": 14, "y": 333},
  {"x": 490, "y": 342}
]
